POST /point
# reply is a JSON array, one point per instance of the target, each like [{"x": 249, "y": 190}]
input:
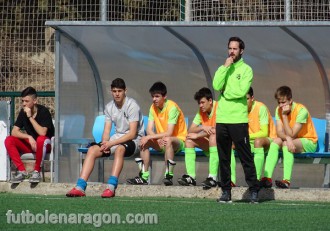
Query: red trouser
[{"x": 15, "y": 146}]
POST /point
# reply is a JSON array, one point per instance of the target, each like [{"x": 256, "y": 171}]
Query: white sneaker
[
  {"x": 20, "y": 176},
  {"x": 35, "y": 177}
]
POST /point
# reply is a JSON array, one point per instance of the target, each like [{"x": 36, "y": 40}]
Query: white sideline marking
[{"x": 316, "y": 205}]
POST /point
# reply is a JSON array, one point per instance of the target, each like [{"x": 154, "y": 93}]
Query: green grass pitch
[{"x": 172, "y": 213}]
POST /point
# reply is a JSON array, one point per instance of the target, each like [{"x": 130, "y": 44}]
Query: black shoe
[
  {"x": 209, "y": 183},
  {"x": 225, "y": 197},
  {"x": 168, "y": 180},
  {"x": 254, "y": 198},
  {"x": 187, "y": 180},
  {"x": 137, "y": 181}
]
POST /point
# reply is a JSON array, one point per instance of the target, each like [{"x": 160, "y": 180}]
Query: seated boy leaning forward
[
  {"x": 171, "y": 131},
  {"x": 261, "y": 130},
  {"x": 202, "y": 134},
  {"x": 125, "y": 114},
  {"x": 36, "y": 121},
  {"x": 295, "y": 134}
]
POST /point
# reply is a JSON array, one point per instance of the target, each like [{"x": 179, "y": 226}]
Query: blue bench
[
  {"x": 321, "y": 156},
  {"x": 323, "y": 141},
  {"x": 97, "y": 132}
]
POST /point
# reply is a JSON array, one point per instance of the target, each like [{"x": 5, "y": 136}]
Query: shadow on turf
[
  {"x": 14, "y": 185},
  {"x": 264, "y": 195},
  {"x": 32, "y": 185}
]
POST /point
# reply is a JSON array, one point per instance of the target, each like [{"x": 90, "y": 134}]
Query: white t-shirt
[{"x": 130, "y": 112}]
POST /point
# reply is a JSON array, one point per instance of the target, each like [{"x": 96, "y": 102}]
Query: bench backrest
[
  {"x": 321, "y": 129},
  {"x": 320, "y": 126},
  {"x": 98, "y": 128},
  {"x": 145, "y": 123}
]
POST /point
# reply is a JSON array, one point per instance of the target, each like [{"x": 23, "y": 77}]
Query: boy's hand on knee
[
  {"x": 105, "y": 147},
  {"x": 192, "y": 136},
  {"x": 161, "y": 142}
]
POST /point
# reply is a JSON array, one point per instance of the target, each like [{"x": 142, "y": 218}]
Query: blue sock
[
  {"x": 82, "y": 184},
  {"x": 113, "y": 182}
]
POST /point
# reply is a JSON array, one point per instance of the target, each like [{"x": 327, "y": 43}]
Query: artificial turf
[{"x": 171, "y": 213}]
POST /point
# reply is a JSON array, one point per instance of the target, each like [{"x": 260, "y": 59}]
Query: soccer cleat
[
  {"x": 20, "y": 176},
  {"x": 108, "y": 193},
  {"x": 254, "y": 198},
  {"x": 35, "y": 177},
  {"x": 187, "y": 180},
  {"x": 266, "y": 182},
  {"x": 75, "y": 192},
  {"x": 137, "y": 181},
  {"x": 282, "y": 183},
  {"x": 168, "y": 180},
  {"x": 209, "y": 183},
  {"x": 225, "y": 197}
]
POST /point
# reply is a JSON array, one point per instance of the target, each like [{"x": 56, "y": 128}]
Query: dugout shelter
[{"x": 185, "y": 56}]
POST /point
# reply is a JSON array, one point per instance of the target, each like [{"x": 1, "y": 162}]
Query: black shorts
[{"x": 129, "y": 149}]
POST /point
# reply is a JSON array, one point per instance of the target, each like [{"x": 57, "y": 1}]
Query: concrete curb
[{"x": 239, "y": 193}]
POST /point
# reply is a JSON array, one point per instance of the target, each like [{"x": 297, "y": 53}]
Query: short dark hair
[
  {"x": 237, "y": 39},
  {"x": 283, "y": 91},
  {"x": 118, "y": 83},
  {"x": 29, "y": 91},
  {"x": 203, "y": 92},
  {"x": 158, "y": 88},
  {"x": 250, "y": 92}
]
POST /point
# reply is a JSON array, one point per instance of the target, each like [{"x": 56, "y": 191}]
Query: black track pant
[{"x": 239, "y": 135}]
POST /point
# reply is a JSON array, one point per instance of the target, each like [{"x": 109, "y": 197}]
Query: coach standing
[{"x": 233, "y": 79}]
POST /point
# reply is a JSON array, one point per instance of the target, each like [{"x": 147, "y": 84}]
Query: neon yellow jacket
[{"x": 233, "y": 82}]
